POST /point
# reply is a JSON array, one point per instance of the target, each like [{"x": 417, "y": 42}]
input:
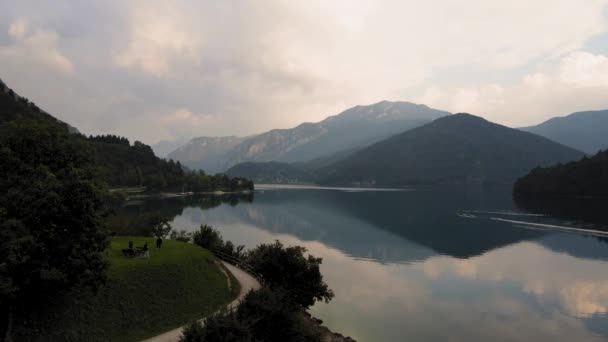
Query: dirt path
[{"x": 247, "y": 283}]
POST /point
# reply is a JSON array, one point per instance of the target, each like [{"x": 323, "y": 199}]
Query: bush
[
  {"x": 221, "y": 327},
  {"x": 182, "y": 235},
  {"x": 288, "y": 268},
  {"x": 263, "y": 315},
  {"x": 209, "y": 238}
]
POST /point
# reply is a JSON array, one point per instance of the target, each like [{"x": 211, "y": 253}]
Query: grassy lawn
[{"x": 143, "y": 297}]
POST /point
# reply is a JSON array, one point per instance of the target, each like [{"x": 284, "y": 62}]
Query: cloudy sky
[{"x": 156, "y": 70}]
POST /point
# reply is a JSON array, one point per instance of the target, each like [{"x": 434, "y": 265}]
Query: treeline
[
  {"x": 110, "y": 139},
  {"x": 117, "y": 162},
  {"x": 586, "y": 177},
  {"x": 121, "y": 164}
]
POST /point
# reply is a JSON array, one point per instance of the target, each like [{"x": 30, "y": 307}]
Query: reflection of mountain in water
[
  {"x": 580, "y": 246},
  {"x": 401, "y": 226},
  {"x": 424, "y": 217},
  {"x": 353, "y": 237},
  {"x": 588, "y": 211}
]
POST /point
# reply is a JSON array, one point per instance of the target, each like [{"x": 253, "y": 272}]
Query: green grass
[{"x": 143, "y": 297}]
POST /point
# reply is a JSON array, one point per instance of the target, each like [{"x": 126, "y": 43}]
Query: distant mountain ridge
[
  {"x": 356, "y": 127},
  {"x": 585, "y": 131},
  {"x": 456, "y": 149}
]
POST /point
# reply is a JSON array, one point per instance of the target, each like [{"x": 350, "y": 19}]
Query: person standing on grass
[
  {"x": 146, "y": 254},
  {"x": 159, "y": 242}
]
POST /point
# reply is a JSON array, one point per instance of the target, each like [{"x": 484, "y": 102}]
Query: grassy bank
[{"x": 143, "y": 297}]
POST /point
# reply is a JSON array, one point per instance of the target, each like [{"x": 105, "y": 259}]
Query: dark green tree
[
  {"x": 160, "y": 226},
  {"x": 207, "y": 237},
  {"x": 289, "y": 268},
  {"x": 51, "y": 237}
]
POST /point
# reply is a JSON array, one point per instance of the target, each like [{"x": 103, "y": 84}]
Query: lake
[{"x": 427, "y": 264}]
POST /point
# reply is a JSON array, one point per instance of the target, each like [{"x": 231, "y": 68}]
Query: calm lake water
[{"x": 428, "y": 264}]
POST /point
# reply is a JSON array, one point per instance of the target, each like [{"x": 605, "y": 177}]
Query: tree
[
  {"x": 288, "y": 268},
  {"x": 207, "y": 237},
  {"x": 160, "y": 226},
  {"x": 51, "y": 236},
  {"x": 182, "y": 235}
]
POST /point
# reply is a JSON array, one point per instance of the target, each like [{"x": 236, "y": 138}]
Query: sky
[{"x": 163, "y": 70}]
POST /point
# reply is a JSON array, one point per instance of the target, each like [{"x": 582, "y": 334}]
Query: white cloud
[
  {"x": 18, "y": 28},
  {"x": 252, "y": 68},
  {"x": 575, "y": 82},
  {"x": 33, "y": 48},
  {"x": 583, "y": 69},
  {"x": 160, "y": 36}
]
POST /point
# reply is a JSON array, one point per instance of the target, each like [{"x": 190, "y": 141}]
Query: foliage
[
  {"x": 288, "y": 268},
  {"x": 51, "y": 236},
  {"x": 160, "y": 226},
  {"x": 586, "y": 177},
  {"x": 182, "y": 235},
  {"x": 142, "y": 297},
  {"x": 219, "y": 327},
  {"x": 263, "y": 315},
  {"x": 209, "y": 238}
]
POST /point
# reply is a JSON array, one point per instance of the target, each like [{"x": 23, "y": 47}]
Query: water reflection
[{"x": 430, "y": 264}]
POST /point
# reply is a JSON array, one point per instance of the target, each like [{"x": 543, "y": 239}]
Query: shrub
[
  {"x": 288, "y": 268},
  {"x": 182, "y": 235},
  {"x": 263, "y": 315}
]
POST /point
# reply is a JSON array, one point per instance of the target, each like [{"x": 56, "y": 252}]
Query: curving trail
[{"x": 247, "y": 283}]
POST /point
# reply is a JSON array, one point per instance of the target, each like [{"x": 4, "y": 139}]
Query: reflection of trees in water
[
  {"x": 588, "y": 211},
  {"x": 134, "y": 218}
]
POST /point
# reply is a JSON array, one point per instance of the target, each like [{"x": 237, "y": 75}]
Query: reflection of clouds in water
[
  {"x": 396, "y": 302},
  {"x": 580, "y": 286},
  {"x": 428, "y": 300},
  {"x": 586, "y": 298}
]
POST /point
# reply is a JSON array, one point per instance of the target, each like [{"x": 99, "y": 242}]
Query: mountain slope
[
  {"x": 357, "y": 127},
  {"x": 15, "y": 107},
  {"x": 584, "y": 131},
  {"x": 206, "y": 153},
  {"x": 459, "y": 148},
  {"x": 164, "y": 147}
]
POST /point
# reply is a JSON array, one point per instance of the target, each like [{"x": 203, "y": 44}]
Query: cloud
[
  {"x": 160, "y": 38},
  {"x": 245, "y": 68},
  {"x": 34, "y": 47},
  {"x": 577, "y": 81}
]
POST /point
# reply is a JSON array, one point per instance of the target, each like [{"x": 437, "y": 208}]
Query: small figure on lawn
[
  {"x": 146, "y": 254},
  {"x": 130, "y": 244},
  {"x": 159, "y": 242}
]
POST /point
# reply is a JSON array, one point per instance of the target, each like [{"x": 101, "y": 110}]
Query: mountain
[
  {"x": 456, "y": 149},
  {"x": 586, "y": 177},
  {"x": 584, "y": 131},
  {"x": 282, "y": 173},
  {"x": 206, "y": 153},
  {"x": 164, "y": 147},
  {"x": 272, "y": 172},
  {"x": 356, "y": 127}
]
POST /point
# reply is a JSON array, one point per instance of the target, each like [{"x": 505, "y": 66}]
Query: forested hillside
[
  {"x": 117, "y": 162},
  {"x": 586, "y": 177}
]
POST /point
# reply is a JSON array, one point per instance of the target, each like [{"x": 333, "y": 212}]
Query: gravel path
[{"x": 247, "y": 283}]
